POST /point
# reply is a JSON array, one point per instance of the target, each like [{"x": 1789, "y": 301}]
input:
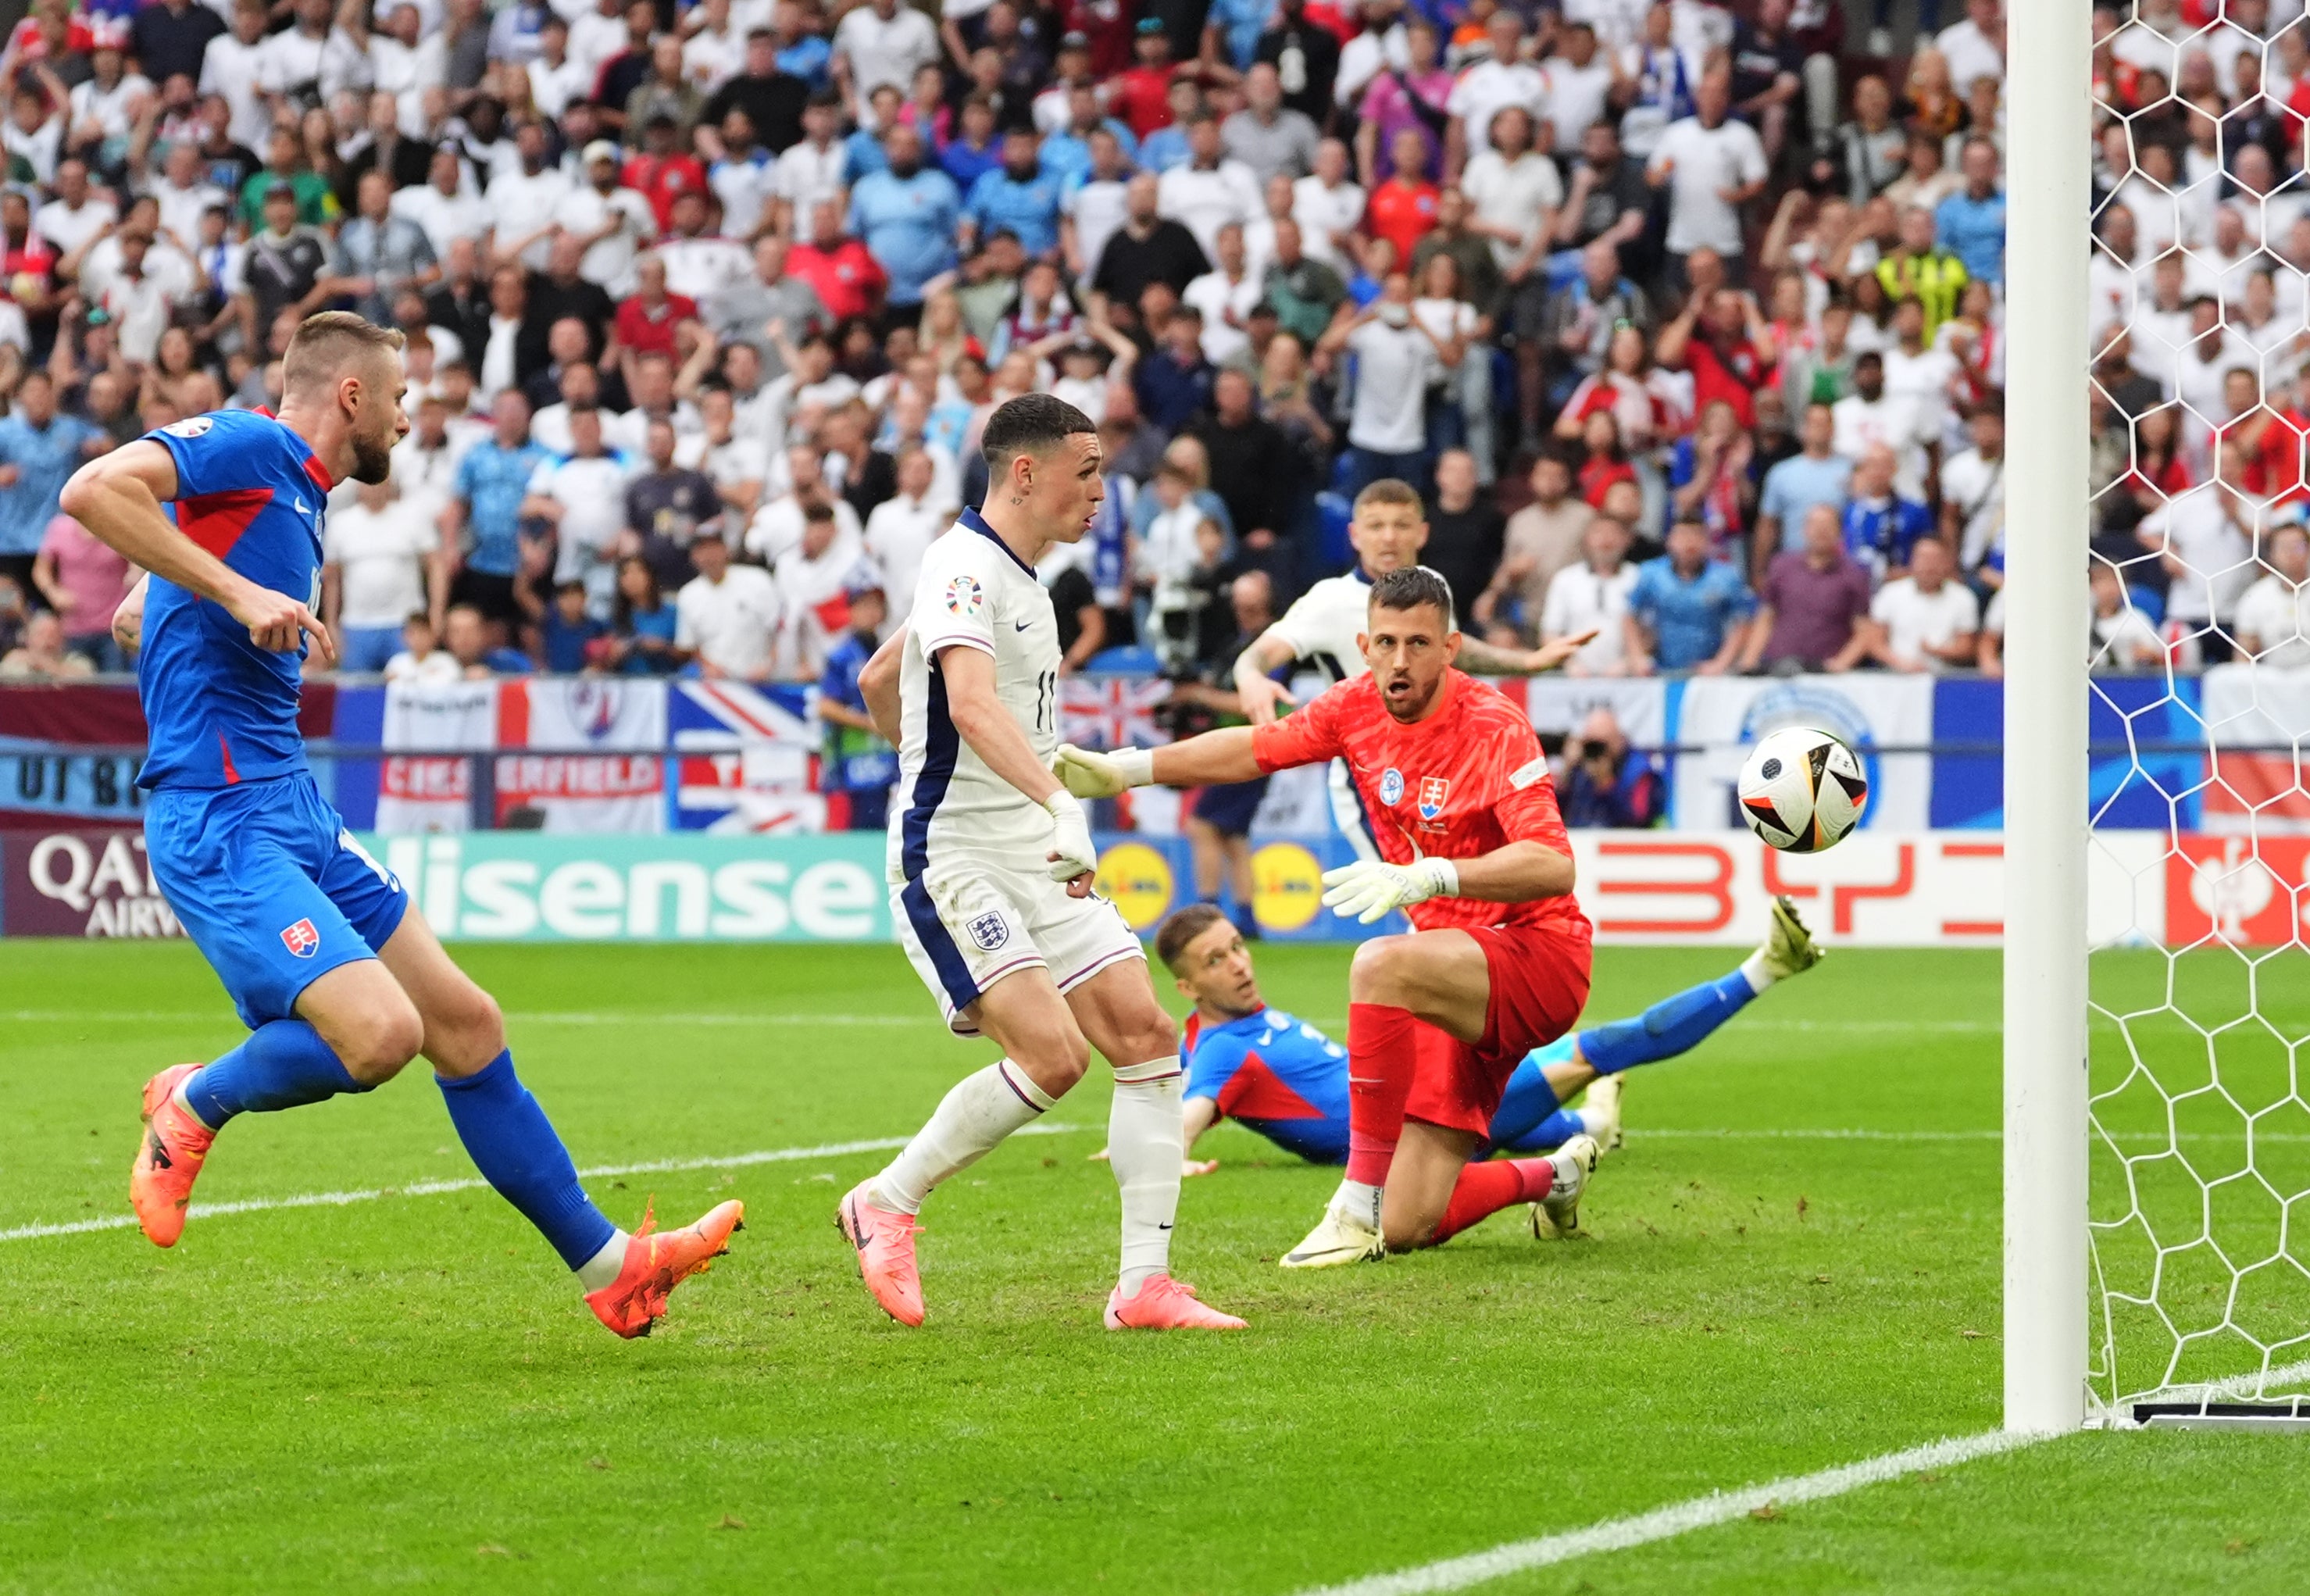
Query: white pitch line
[
  {"x": 1701, "y": 1513},
  {"x": 435, "y": 1188}
]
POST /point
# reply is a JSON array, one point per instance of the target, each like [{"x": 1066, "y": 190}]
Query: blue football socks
[
  {"x": 283, "y": 1064},
  {"x": 1673, "y": 1026},
  {"x": 511, "y": 1142}
]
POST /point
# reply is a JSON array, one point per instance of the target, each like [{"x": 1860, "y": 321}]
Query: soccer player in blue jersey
[
  {"x": 1286, "y": 1079},
  {"x": 331, "y": 965}
]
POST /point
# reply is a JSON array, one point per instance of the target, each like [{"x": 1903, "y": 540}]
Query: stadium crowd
[{"x": 1684, "y": 317}]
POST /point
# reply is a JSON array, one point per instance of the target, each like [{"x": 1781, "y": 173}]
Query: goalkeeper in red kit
[{"x": 1463, "y": 809}]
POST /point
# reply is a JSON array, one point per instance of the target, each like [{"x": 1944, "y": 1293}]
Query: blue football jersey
[
  {"x": 220, "y": 709},
  {"x": 1279, "y": 1076}
]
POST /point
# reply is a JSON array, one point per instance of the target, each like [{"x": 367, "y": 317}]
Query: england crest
[
  {"x": 989, "y": 931},
  {"x": 301, "y": 938},
  {"x": 1432, "y": 789}
]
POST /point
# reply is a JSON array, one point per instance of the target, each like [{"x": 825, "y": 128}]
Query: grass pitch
[{"x": 405, "y": 1393}]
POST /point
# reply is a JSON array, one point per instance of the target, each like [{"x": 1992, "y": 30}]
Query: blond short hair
[
  {"x": 1387, "y": 491},
  {"x": 324, "y": 344}
]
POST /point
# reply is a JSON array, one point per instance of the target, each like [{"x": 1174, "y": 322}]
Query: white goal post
[{"x": 2049, "y": 130}]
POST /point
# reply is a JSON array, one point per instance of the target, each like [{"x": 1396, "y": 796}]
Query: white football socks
[
  {"x": 1358, "y": 1201},
  {"x": 1143, "y": 1143},
  {"x": 1753, "y": 967},
  {"x": 969, "y": 1123},
  {"x": 603, "y": 1268}
]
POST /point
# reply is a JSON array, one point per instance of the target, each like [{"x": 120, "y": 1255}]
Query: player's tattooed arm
[
  {"x": 128, "y": 621},
  {"x": 877, "y": 684},
  {"x": 1259, "y": 692},
  {"x": 117, "y": 497},
  {"x": 1480, "y": 658}
]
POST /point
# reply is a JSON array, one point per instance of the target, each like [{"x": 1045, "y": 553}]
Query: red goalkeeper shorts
[{"x": 1539, "y": 985}]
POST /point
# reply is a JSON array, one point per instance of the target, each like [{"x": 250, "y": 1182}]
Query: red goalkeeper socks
[
  {"x": 1485, "y": 1189},
  {"x": 1382, "y": 1057}
]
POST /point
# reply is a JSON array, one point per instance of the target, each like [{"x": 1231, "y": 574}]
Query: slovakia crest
[
  {"x": 989, "y": 931},
  {"x": 1391, "y": 786},
  {"x": 1432, "y": 791},
  {"x": 301, "y": 938}
]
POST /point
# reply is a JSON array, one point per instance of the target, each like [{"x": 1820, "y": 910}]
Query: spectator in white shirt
[
  {"x": 377, "y": 564},
  {"x": 1869, "y": 417},
  {"x": 1210, "y": 190},
  {"x": 2273, "y": 615},
  {"x": 1225, "y": 297},
  {"x": 809, "y": 575},
  {"x": 1975, "y": 47},
  {"x": 812, "y": 170},
  {"x": 727, "y": 615},
  {"x": 882, "y": 43},
  {"x": 1925, "y": 621},
  {"x": 445, "y": 207},
  {"x": 1489, "y": 87},
  {"x": 230, "y": 67},
  {"x": 584, "y": 495},
  {"x": 522, "y": 202},
  {"x": 901, "y": 529},
  {"x": 1594, "y": 596},
  {"x": 1711, "y": 166},
  {"x": 1513, "y": 193},
  {"x": 1329, "y": 207},
  {"x": 78, "y": 212},
  {"x": 611, "y": 223}
]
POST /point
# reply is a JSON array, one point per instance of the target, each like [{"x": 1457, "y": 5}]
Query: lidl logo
[{"x": 1138, "y": 881}]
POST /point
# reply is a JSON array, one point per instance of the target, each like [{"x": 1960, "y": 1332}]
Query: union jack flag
[{"x": 1112, "y": 711}]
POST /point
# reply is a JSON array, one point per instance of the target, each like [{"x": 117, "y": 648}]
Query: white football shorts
[{"x": 966, "y": 924}]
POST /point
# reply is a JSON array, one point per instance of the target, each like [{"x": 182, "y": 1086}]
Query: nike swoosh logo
[
  {"x": 1024, "y": 625},
  {"x": 1162, "y": 1227}
]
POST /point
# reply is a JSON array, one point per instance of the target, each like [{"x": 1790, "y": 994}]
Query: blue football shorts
[{"x": 271, "y": 887}]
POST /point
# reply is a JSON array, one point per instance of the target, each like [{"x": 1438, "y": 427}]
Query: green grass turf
[{"x": 406, "y": 1393}]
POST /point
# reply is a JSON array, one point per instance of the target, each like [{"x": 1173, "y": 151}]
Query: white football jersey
[
  {"x": 1322, "y": 626},
  {"x": 975, "y": 593}
]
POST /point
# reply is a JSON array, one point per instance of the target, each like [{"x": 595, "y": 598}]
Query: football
[{"x": 1802, "y": 790}]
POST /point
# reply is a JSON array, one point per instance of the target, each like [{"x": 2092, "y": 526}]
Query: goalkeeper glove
[
  {"x": 1370, "y": 889},
  {"x": 1089, "y": 774},
  {"x": 1072, "y": 853}
]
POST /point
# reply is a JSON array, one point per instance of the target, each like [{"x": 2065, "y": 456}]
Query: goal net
[{"x": 2197, "y": 986}]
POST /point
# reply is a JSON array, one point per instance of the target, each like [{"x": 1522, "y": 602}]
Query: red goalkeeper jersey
[{"x": 1467, "y": 780}]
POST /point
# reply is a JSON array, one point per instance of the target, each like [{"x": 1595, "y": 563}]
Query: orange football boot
[
  {"x": 885, "y": 1244},
  {"x": 656, "y": 1262},
  {"x": 168, "y": 1159},
  {"x": 1164, "y": 1303}
]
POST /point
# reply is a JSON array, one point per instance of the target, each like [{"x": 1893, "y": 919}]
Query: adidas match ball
[{"x": 1802, "y": 790}]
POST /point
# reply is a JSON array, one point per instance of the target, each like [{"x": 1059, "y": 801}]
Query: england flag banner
[
  {"x": 430, "y": 788},
  {"x": 596, "y": 753},
  {"x": 1112, "y": 711},
  {"x": 747, "y": 756}
]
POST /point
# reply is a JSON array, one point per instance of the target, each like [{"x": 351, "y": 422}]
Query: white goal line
[
  {"x": 435, "y": 1188},
  {"x": 1700, "y": 1513}
]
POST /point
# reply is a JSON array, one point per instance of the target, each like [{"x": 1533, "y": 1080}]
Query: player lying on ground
[
  {"x": 1462, "y": 807},
  {"x": 1289, "y": 1081},
  {"x": 332, "y": 969},
  {"x": 991, "y": 863},
  {"x": 1388, "y": 530}
]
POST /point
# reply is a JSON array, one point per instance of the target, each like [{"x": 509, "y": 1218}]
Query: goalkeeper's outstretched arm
[{"x": 1214, "y": 758}]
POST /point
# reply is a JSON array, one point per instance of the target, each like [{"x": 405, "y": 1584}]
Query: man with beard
[{"x": 333, "y": 970}]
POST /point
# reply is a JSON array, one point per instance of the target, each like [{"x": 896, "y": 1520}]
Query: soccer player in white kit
[
  {"x": 990, "y": 871},
  {"x": 1389, "y": 529}
]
